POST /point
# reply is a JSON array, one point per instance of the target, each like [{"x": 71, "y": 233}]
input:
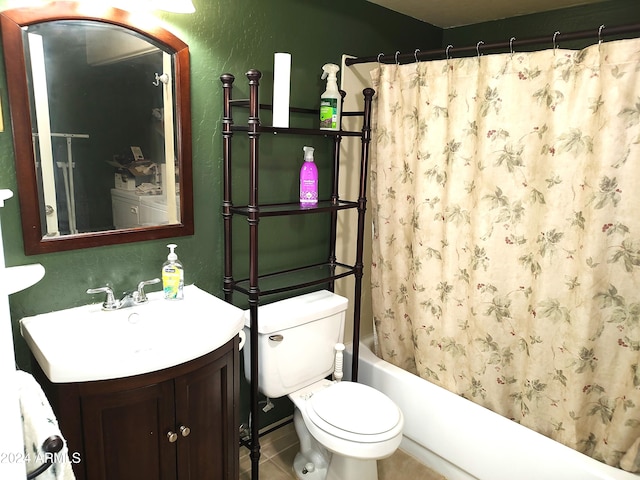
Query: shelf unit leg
[
  {"x": 227, "y": 203},
  {"x": 362, "y": 208},
  {"x": 254, "y": 292},
  {"x": 334, "y": 199},
  {"x": 253, "y": 396}
]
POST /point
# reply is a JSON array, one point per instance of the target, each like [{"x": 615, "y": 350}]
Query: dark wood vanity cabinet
[
  {"x": 176, "y": 424},
  {"x": 123, "y": 433}
]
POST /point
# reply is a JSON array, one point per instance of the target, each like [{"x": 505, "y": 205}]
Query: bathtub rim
[{"x": 573, "y": 465}]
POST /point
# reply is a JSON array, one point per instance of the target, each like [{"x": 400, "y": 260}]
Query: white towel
[{"x": 38, "y": 424}]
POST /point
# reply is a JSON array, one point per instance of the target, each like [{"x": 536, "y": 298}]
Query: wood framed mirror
[{"x": 101, "y": 120}]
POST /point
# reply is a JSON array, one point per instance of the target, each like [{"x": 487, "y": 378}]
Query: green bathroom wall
[{"x": 223, "y": 36}]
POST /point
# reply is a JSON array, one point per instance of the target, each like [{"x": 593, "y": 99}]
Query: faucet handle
[
  {"x": 140, "y": 296},
  {"x": 110, "y": 303}
]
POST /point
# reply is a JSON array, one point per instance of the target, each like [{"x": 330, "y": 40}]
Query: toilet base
[
  {"x": 312, "y": 460},
  {"x": 340, "y": 468},
  {"x": 348, "y": 468},
  {"x": 300, "y": 466}
]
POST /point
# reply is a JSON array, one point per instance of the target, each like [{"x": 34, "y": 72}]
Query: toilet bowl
[
  {"x": 343, "y": 427},
  {"x": 346, "y": 427}
]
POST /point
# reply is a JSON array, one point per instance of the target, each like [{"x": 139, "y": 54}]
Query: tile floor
[{"x": 279, "y": 447}]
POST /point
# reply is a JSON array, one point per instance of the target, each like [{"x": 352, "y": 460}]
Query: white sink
[{"x": 86, "y": 343}]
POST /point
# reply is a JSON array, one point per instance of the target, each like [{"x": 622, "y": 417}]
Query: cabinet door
[
  {"x": 153, "y": 215},
  {"x": 126, "y": 214},
  {"x": 205, "y": 401},
  {"x": 126, "y": 434}
]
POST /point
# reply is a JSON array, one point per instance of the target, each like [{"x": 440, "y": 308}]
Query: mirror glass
[{"x": 102, "y": 155}]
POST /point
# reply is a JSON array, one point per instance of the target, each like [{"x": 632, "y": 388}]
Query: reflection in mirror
[
  {"x": 80, "y": 84},
  {"x": 107, "y": 159}
]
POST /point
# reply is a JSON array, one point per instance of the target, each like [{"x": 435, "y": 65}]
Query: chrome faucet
[{"x": 129, "y": 299}]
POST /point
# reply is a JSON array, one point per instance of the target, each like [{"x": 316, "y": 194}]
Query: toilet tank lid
[{"x": 296, "y": 311}]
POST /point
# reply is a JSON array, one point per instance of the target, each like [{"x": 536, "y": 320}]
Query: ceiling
[{"x": 454, "y": 13}]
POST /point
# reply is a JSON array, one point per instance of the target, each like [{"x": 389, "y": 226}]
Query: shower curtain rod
[{"x": 450, "y": 50}]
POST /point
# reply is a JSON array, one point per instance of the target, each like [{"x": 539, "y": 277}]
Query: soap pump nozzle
[{"x": 172, "y": 257}]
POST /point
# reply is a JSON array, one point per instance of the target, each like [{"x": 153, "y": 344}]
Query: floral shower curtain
[{"x": 506, "y": 250}]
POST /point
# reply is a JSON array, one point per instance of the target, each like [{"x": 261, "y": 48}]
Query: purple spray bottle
[{"x": 308, "y": 180}]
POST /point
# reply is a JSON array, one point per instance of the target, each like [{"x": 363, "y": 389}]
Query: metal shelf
[
  {"x": 297, "y": 278},
  {"x": 281, "y": 209},
  {"x": 298, "y": 131},
  {"x": 259, "y": 285}
]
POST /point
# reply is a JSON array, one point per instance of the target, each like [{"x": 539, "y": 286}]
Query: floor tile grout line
[{"x": 275, "y": 457}]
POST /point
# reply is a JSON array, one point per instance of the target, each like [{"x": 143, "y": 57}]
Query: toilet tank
[{"x": 296, "y": 339}]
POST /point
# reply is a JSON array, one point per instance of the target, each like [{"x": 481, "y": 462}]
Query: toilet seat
[{"x": 354, "y": 412}]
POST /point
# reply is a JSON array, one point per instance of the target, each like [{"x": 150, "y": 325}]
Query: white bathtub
[{"x": 464, "y": 441}]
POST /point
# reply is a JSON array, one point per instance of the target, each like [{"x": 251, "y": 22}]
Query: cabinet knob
[
  {"x": 172, "y": 436},
  {"x": 185, "y": 431}
]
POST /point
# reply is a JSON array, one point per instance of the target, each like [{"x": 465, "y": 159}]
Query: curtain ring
[
  {"x": 600, "y": 34},
  {"x": 478, "y": 47},
  {"x": 446, "y": 52},
  {"x": 554, "y": 42},
  {"x": 415, "y": 55},
  {"x": 380, "y": 55},
  {"x": 397, "y": 57},
  {"x": 511, "y": 44}
]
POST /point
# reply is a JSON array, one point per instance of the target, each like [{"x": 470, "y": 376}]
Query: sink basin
[{"x": 86, "y": 343}]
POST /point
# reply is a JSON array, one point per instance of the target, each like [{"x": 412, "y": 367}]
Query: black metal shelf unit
[{"x": 258, "y": 285}]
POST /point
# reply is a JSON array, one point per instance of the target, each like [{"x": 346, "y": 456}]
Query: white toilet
[{"x": 343, "y": 427}]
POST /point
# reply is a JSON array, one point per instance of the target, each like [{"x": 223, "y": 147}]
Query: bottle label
[
  {"x": 172, "y": 283},
  {"x": 308, "y": 192},
  {"x": 329, "y": 113}
]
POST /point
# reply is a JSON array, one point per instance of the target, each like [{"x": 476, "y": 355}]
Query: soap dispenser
[{"x": 172, "y": 276}]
